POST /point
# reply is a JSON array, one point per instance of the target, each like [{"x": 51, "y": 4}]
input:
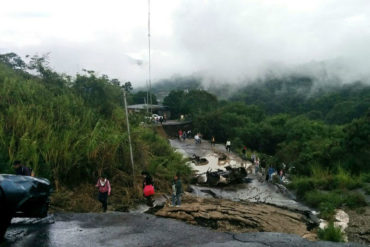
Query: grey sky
[{"x": 227, "y": 40}]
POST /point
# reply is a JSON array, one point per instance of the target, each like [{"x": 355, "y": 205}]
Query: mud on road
[
  {"x": 128, "y": 229},
  {"x": 238, "y": 217}
]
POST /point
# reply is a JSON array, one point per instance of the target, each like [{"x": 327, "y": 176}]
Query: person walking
[
  {"x": 176, "y": 191},
  {"x": 257, "y": 165},
  {"x": 148, "y": 188},
  {"x": 228, "y": 146},
  {"x": 104, "y": 191},
  {"x": 213, "y": 141}
]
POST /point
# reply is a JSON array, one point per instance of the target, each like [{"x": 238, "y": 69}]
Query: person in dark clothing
[
  {"x": 104, "y": 191},
  {"x": 148, "y": 180},
  {"x": 21, "y": 169},
  {"x": 176, "y": 191},
  {"x": 244, "y": 151}
]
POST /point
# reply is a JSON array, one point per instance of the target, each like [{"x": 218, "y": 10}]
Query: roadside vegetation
[
  {"x": 72, "y": 129},
  {"x": 331, "y": 233},
  {"x": 320, "y": 132}
]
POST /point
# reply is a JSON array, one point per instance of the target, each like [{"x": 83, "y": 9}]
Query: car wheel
[{"x": 5, "y": 216}]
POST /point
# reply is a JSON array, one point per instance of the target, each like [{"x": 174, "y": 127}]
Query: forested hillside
[
  {"x": 321, "y": 135},
  {"x": 334, "y": 104},
  {"x": 71, "y": 130}
]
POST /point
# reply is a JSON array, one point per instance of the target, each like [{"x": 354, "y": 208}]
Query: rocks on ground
[{"x": 359, "y": 225}]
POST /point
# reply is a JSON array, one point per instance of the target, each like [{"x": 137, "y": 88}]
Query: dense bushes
[{"x": 72, "y": 130}]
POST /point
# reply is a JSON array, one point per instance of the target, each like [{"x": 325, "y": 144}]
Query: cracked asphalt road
[{"x": 133, "y": 229}]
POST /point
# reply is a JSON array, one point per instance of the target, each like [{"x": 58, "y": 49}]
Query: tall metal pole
[
  {"x": 129, "y": 138},
  {"x": 150, "y": 73}
]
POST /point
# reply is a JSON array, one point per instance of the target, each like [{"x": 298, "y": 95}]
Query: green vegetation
[
  {"x": 70, "y": 130},
  {"x": 331, "y": 233},
  {"x": 321, "y": 133}
]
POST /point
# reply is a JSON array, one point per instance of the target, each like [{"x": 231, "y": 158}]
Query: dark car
[{"x": 22, "y": 196}]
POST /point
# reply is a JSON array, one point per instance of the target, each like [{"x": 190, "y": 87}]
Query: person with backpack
[
  {"x": 176, "y": 191},
  {"x": 104, "y": 191},
  {"x": 22, "y": 170},
  {"x": 148, "y": 188}
]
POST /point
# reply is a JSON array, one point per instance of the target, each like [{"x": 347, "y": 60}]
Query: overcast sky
[{"x": 221, "y": 39}]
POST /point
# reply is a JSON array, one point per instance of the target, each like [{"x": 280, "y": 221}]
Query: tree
[
  {"x": 141, "y": 98},
  {"x": 13, "y": 60},
  {"x": 357, "y": 144}
]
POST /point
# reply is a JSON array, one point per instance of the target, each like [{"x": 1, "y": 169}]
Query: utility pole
[
  {"x": 129, "y": 138},
  {"x": 149, "y": 58}
]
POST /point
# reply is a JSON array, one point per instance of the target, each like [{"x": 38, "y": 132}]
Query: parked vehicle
[
  {"x": 22, "y": 196},
  {"x": 154, "y": 118}
]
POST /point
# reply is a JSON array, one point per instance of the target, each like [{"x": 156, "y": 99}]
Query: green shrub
[
  {"x": 343, "y": 179},
  {"x": 314, "y": 198},
  {"x": 331, "y": 233},
  {"x": 302, "y": 186},
  {"x": 327, "y": 210},
  {"x": 327, "y": 202},
  {"x": 354, "y": 200},
  {"x": 365, "y": 177},
  {"x": 367, "y": 189}
]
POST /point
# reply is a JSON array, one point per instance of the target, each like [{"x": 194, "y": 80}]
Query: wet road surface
[
  {"x": 256, "y": 191},
  {"x": 128, "y": 229}
]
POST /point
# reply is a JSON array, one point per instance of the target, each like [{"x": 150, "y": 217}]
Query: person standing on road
[
  {"x": 184, "y": 135},
  {"x": 176, "y": 191},
  {"x": 213, "y": 141},
  {"x": 104, "y": 191},
  {"x": 228, "y": 146},
  {"x": 253, "y": 157},
  {"x": 148, "y": 188},
  {"x": 180, "y": 134},
  {"x": 257, "y": 165}
]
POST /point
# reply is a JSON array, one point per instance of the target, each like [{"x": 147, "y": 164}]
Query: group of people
[
  {"x": 183, "y": 134},
  {"x": 104, "y": 190}
]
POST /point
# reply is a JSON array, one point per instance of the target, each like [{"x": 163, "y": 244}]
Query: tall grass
[
  {"x": 71, "y": 134},
  {"x": 328, "y": 190}
]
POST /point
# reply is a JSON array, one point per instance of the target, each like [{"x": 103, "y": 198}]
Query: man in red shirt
[{"x": 104, "y": 191}]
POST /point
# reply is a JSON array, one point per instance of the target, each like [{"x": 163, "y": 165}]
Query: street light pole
[{"x": 129, "y": 138}]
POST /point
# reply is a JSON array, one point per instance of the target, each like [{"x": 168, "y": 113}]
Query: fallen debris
[{"x": 225, "y": 215}]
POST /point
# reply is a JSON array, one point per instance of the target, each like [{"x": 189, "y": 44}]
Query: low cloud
[{"x": 226, "y": 41}]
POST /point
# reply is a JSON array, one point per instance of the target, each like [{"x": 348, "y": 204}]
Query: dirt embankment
[
  {"x": 229, "y": 216},
  {"x": 359, "y": 226}
]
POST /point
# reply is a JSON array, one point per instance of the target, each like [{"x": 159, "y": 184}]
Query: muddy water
[{"x": 256, "y": 191}]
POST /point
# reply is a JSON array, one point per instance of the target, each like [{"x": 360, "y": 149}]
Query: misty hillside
[
  {"x": 301, "y": 95},
  {"x": 333, "y": 103}
]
